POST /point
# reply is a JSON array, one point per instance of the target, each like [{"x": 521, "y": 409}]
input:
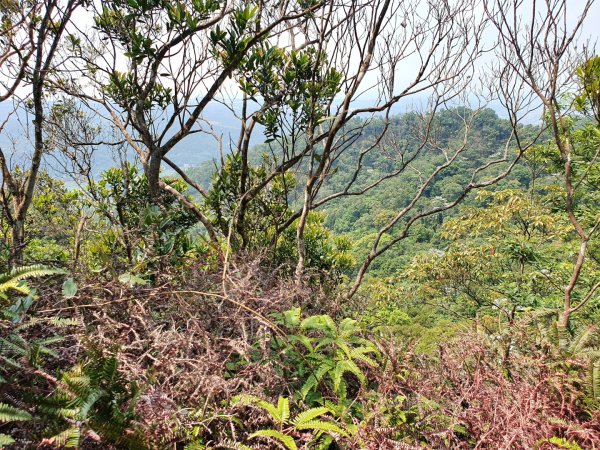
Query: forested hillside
[
  {"x": 358, "y": 217},
  {"x": 341, "y": 275}
]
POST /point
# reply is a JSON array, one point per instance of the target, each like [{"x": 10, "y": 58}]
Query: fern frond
[
  {"x": 7, "y": 346},
  {"x": 110, "y": 370},
  {"x": 324, "y": 443},
  {"x": 369, "y": 346},
  {"x": 359, "y": 354},
  {"x": 5, "y": 440},
  {"x": 349, "y": 327},
  {"x": 234, "y": 445},
  {"x": 17, "y": 286},
  {"x": 69, "y": 438},
  {"x": 85, "y": 407},
  {"x": 68, "y": 413},
  {"x": 49, "y": 341},
  {"x": 323, "y": 323},
  {"x": 559, "y": 442},
  {"x": 315, "y": 378},
  {"x": 304, "y": 340},
  {"x": 310, "y": 384},
  {"x": 24, "y": 273},
  {"x": 252, "y": 400},
  {"x": 78, "y": 384},
  {"x": 286, "y": 440},
  {"x": 346, "y": 366},
  {"x": 310, "y": 414},
  {"x": 283, "y": 406},
  {"x": 595, "y": 378},
  {"x": 584, "y": 339},
  {"x": 345, "y": 348},
  {"x": 194, "y": 446},
  {"x": 62, "y": 322},
  {"x": 11, "y": 414},
  {"x": 325, "y": 427},
  {"x": 9, "y": 361},
  {"x": 33, "y": 271}
]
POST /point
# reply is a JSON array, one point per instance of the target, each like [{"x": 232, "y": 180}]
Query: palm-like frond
[
  {"x": 286, "y": 440},
  {"x": 70, "y": 438},
  {"x": 5, "y": 440},
  {"x": 322, "y": 426},
  {"x": 252, "y": 400},
  {"x": 26, "y": 272},
  {"x": 11, "y": 414},
  {"x": 309, "y": 420},
  {"x": 310, "y": 414},
  {"x": 13, "y": 280}
]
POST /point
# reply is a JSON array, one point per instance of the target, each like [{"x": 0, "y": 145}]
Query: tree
[
  {"x": 540, "y": 52},
  {"x": 505, "y": 255},
  {"x": 178, "y": 59},
  {"x": 300, "y": 71},
  {"x": 35, "y": 33}
]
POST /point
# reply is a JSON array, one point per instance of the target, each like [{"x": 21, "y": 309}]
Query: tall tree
[
  {"x": 34, "y": 33},
  {"x": 156, "y": 66},
  {"x": 539, "y": 48}
]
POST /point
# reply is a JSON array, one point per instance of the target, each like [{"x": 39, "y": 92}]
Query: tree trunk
[
  {"x": 152, "y": 170},
  {"x": 300, "y": 242},
  {"x": 17, "y": 244}
]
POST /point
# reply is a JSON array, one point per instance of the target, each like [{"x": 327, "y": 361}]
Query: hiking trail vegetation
[{"x": 393, "y": 245}]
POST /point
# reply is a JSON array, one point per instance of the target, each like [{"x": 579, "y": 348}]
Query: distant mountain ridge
[{"x": 190, "y": 152}]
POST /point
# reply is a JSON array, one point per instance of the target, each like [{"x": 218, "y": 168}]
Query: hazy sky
[{"x": 405, "y": 72}]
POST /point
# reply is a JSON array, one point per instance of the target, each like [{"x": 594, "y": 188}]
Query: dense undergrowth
[
  {"x": 359, "y": 280},
  {"x": 250, "y": 361}
]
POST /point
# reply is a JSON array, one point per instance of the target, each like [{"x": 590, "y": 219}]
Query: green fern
[
  {"x": 96, "y": 397},
  {"x": 333, "y": 351},
  {"x": 14, "y": 349},
  {"x": 279, "y": 414},
  {"x": 309, "y": 420},
  {"x": 585, "y": 344},
  {"x": 10, "y": 414},
  {"x": 69, "y": 438},
  {"x": 14, "y": 280},
  {"x": 5, "y": 440},
  {"x": 286, "y": 440},
  {"x": 594, "y": 372},
  {"x": 310, "y": 414},
  {"x": 194, "y": 445},
  {"x": 558, "y": 442}
]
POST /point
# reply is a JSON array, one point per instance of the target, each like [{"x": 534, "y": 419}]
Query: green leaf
[
  {"x": 343, "y": 367},
  {"x": 291, "y": 317},
  {"x": 132, "y": 280},
  {"x": 69, "y": 288},
  {"x": 5, "y": 440},
  {"x": 69, "y": 438},
  {"x": 252, "y": 400},
  {"x": 322, "y": 323},
  {"x": 10, "y": 414},
  {"x": 318, "y": 425},
  {"x": 595, "y": 378},
  {"x": 310, "y": 414},
  {"x": 313, "y": 380},
  {"x": 288, "y": 441},
  {"x": 283, "y": 405}
]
